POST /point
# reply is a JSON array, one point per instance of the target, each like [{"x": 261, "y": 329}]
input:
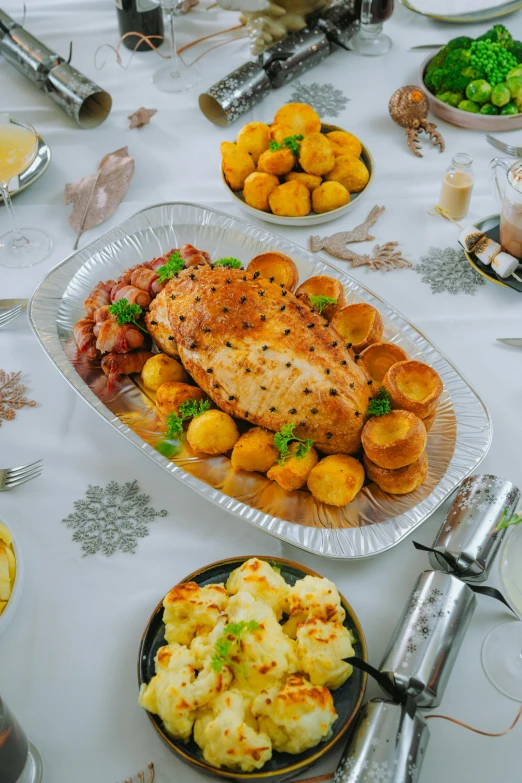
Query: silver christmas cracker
[
  {"x": 237, "y": 93},
  {"x": 423, "y": 648},
  {"x": 78, "y": 96},
  {"x": 386, "y": 745},
  {"x": 294, "y": 55},
  {"x": 466, "y": 538}
]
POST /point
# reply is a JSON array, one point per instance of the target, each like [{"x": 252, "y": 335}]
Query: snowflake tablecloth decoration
[
  {"x": 111, "y": 519},
  {"x": 324, "y": 98},
  {"x": 12, "y": 395},
  {"x": 446, "y": 269}
]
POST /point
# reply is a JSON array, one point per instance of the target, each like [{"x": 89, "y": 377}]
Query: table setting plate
[
  {"x": 472, "y": 17},
  {"x": 33, "y": 172},
  {"x": 375, "y": 521},
  {"x": 282, "y": 766},
  {"x": 490, "y": 226}
]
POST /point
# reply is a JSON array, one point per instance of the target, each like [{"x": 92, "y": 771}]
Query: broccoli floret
[
  {"x": 515, "y": 48},
  {"x": 437, "y": 61},
  {"x": 462, "y": 42},
  {"x": 455, "y": 82},
  {"x": 458, "y": 59},
  {"x": 434, "y": 81},
  {"x": 472, "y": 73},
  {"x": 497, "y": 34}
]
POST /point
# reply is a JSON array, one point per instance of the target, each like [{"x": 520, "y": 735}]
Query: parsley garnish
[
  {"x": 232, "y": 636},
  {"x": 507, "y": 520},
  {"x": 320, "y": 302},
  {"x": 381, "y": 403},
  {"x": 283, "y": 438},
  {"x": 126, "y": 313},
  {"x": 170, "y": 268},
  {"x": 187, "y": 410},
  {"x": 292, "y": 142},
  {"x": 232, "y": 263}
]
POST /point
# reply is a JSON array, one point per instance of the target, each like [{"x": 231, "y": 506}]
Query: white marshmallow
[
  {"x": 486, "y": 250},
  {"x": 504, "y": 264},
  {"x": 470, "y": 237}
]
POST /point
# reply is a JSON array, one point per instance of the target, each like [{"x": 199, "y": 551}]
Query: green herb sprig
[
  {"x": 507, "y": 520},
  {"x": 320, "y": 302},
  {"x": 284, "y": 437},
  {"x": 381, "y": 403},
  {"x": 171, "y": 268},
  {"x": 187, "y": 410},
  {"x": 231, "y": 637},
  {"x": 232, "y": 263},
  {"x": 291, "y": 142},
  {"x": 126, "y": 313}
]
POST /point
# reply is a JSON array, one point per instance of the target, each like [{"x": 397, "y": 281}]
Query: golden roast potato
[
  {"x": 300, "y": 117},
  {"x": 213, "y": 432},
  {"x": 160, "y": 369},
  {"x": 328, "y": 196},
  {"x": 277, "y": 162},
  {"x": 310, "y": 180},
  {"x": 257, "y": 188},
  {"x": 170, "y": 395},
  {"x": 294, "y": 472},
  {"x": 344, "y": 143},
  {"x": 237, "y": 165},
  {"x": 336, "y": 479},
  {"x": 291, "y": 200},
  {"x": 255, "y": 450},
  {"x": 350, "y": 172},
  {"x": 254, "y": 138},
  {"x": 316, "y": 155},
  {"x": 279, "y": 132}
]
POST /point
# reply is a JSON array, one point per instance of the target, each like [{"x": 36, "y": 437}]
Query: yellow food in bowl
[
  {"x": 310, "y": 180},
  {"x": 277, "y": 162},
  {"x": 316, "y": 155},
  {"x": 237, "y": 165},
  {"x": 328, "y": 196},
  {"x": 254, "y": 139},
  {"x": 291, "y": 199},
  {"x": 257, "y": 188},
  {"x": 300, "y": 117},
  {"x": 350, "y": 172},
  {"x": 344, "y": 143}
]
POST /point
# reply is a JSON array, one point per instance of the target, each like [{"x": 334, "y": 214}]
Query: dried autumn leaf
[{"x": 97, "y": 197}]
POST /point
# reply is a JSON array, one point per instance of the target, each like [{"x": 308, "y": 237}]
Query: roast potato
[
  {"x": 414, "y": 386},
  {"x": 336, "y": 479},
  {"x": 300, "y": 117},
  {"x": 400, "y": 481},
  {"x": 160, "y": 369},
  {"x": 310, "y": 180},
  {"x": 394, "y": 440},
  {"x": 257, "y": 189},
  {"x": 322, "y": 285},
  {"x": 254, "y": 138},
  {"x": 350, "y": 172},
  {"x": 277, "y": 162},
  {"x": 279, "y": 132},
  {"x": 275, "y": 267},
  {"x": 377, "y": 359},
  {"x": 237, "y": 165},
  {"x": 328, "y": 196},
  {"x": 359, "y": 325},
  {"x": 316, "y": 155},
  {"x": 255, "y": 450},
  {"x": 170, "y": 395},
  {"x": 213, "y": 432},
  {"x": 294, "y": 472},
  {"x": 292, "y": 199},
  {"x": 344, "y": 143}
]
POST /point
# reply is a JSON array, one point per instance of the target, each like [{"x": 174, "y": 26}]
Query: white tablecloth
[{"x": 68, "y": 660}]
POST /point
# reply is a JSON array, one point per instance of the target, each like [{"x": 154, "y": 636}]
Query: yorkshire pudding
[
  {"x": 359, "y": 324},
  {"x": 377, "y": 359},
  {"x": 322, "y": 285},
  {"x": 400, "y": 481},
  {"x": 413, "y": 386},
  {"x": 394, "y": 440},
  {"x": 275, "y": 267}
]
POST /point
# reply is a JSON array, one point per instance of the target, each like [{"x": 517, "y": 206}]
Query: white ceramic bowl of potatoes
[
  {"x": 11, "y": 576},
  {"x": 296, "y": 171}
]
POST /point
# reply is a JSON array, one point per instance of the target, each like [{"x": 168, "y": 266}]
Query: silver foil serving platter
[{"x": 374, "y": 521}]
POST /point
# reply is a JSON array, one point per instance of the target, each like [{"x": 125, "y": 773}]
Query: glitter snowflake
[
  {"x": 324, "y": 98},
  {"x": 379, "y": 772},
  {"x": 425, "y": 610},
  {"x": 448, "y": 270},
  {"x": 12, "y": 395},
  {"x": 111, "y": 519}
]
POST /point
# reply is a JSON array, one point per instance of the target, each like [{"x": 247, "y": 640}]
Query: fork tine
[
  {"x": 9, "y": 316},
  {"x": 4, "y": 313},
  {"x": 9, "y": 478},
  {"x": 22, "y": 468},
  {"x": 18, "y": 481},
  {"x": 502, "y": 146}
]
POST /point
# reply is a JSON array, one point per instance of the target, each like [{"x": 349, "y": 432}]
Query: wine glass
[
  {"x": 502, "y": 648},
  {"x": 369, "y": 38},
  {"x": 20, "y": 762},
  {"x": 175, "y": 76},
  {"x": 18, "y": 147}
]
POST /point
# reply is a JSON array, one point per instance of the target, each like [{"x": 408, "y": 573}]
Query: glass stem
[
  {"x": 18, "y": 240},
  {"x": 173, "y": 48}
]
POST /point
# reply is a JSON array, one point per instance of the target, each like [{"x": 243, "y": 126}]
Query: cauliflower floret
[
  {"x": 190, "y": 609},
  {"x": 174, "y": 693},
  {"x": 321, "y": 648},
  {"x": 228, "y": 736},
  {"x": 262, "y": 581},
  {"x": 312, "y": 596},
  {"x": 296, "y": 715}
]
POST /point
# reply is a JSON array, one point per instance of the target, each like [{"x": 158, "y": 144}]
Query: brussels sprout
[
  {"x": 478, "y": 91},
  {"x": 515, "y": 72},
  {"x": 469, "y": 106},
  {"x": 500, "y": 95},
  {"x": 509, "y": 108},
  {"x": 451, "y": 98},
  {"x": 488, "y": 108},
  {"x": 514, "y": 85}
]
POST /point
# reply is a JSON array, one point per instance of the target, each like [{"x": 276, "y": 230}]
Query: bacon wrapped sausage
[
  {"x": 147, "y": 280},
  {"x": 126, "y": 276},
  {"x": 85, "y": 338},
  {"x": 113, "y": 337},
  {"x": 192, "y": 256},
  {"x": 99, "y": 296},
  {"x": 161, "y": 260},
  {"x": 117, "y": 365},
  {"x": 131, "y": 294}
]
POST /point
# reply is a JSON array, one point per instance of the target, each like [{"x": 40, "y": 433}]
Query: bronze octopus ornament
[{"x": 409, "y": 108}]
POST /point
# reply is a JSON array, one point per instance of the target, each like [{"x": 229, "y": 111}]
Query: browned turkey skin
[{"x": 263, "y": 355}]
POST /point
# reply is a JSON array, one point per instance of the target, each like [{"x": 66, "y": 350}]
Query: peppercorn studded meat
[{"x": 262, "y": 355}]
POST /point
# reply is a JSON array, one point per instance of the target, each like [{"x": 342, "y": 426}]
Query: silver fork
[
  {"x": 6, "y": 316},
  {"x": 514, "y": 152},
  {"x": 12, "y": 477}
]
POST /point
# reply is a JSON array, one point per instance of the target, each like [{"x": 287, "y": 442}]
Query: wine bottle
[{"x": 139, "y": 16}]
